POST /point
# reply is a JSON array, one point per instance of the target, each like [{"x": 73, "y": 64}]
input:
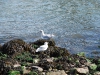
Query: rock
[
  {"x": 37, "y": 68},
  {"x": 36, "y": 60},
  {"x": 41, "y": 42},
  {"x": 84, "y": 70},
  {"x": 57, "y": 51},
  {"x": 96, "y": 61},
  {"x": 16, "y": 65},
  {"x": 48, "y": 59},
  {"x": 61, "y": 72},
  {"x": 15, "y": 46},
  {"x": 6, "y": 65}
]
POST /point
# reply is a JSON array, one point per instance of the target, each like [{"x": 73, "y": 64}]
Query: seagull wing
[{"x": 42, "y": 48}]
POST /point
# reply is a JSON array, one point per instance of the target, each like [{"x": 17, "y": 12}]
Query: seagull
[
  {"x": 42, "y": 47},
  {"x": 46, "y": 36}
]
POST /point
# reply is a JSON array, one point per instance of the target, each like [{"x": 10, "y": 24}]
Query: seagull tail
[{"x": 37, "y": 50}]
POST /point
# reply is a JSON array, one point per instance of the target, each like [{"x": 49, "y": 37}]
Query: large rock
[
  {"x": 52, "y": 51},
  {"x": 58, "y": 51},
  {"x": 41, "y": 42},
  {"x": 15, "y": 46}
]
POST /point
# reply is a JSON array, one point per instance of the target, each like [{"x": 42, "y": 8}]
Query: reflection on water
[{"x": 74, "y": 22}]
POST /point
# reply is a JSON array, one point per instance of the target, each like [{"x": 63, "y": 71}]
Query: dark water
[{"x": 76, "y": 23}]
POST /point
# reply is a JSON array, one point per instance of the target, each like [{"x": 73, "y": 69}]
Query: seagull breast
[{"x": 42, "y": 47}]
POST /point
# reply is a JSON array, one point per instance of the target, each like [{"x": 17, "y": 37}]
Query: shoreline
[{"x": 19, "y": 57}]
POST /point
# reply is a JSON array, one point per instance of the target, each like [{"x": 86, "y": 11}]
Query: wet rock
[{"x": 15, "y": 46}]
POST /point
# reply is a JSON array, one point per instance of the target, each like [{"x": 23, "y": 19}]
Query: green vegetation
[
  {"x": 3, "y": 56},
  {"x": 93, "y": 66},
  {"x": 81, "y": 54},
  {"x": 24, "y": 57},
  {"x": 33, "y": 73},
  {"x": 14, "y": 72},
  {"x": 35, "y": 46}
]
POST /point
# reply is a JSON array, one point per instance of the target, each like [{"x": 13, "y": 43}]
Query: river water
[{"x": 75, "y": 23}]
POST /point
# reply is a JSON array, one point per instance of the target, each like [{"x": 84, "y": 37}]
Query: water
[{"x": 74, "y": 22}]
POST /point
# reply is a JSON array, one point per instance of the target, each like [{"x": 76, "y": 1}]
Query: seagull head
[{"x": 41, "y": 30}]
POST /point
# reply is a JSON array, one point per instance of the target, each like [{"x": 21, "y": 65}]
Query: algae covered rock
[
  {"x": 52, "y": 50},
  {"x": 15, "y": 46},
  {"x": 58, "y": 52},
  {"x": 6, "y": 65},
  {"x": 41, "y": 42},
  {"x": 93, "y": 66}
]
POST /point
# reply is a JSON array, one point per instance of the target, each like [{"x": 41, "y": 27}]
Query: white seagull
[
  {"x": 46, "y": 36},
  {"x": 42, "y": 47}
]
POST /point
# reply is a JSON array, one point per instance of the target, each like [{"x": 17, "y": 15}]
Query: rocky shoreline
[{"x": 20, "y": 58}]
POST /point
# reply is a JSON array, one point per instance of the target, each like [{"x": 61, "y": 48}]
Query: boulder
[
  {"x": 15, "y": 46},
  {"x": 41, "y": 42}
]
